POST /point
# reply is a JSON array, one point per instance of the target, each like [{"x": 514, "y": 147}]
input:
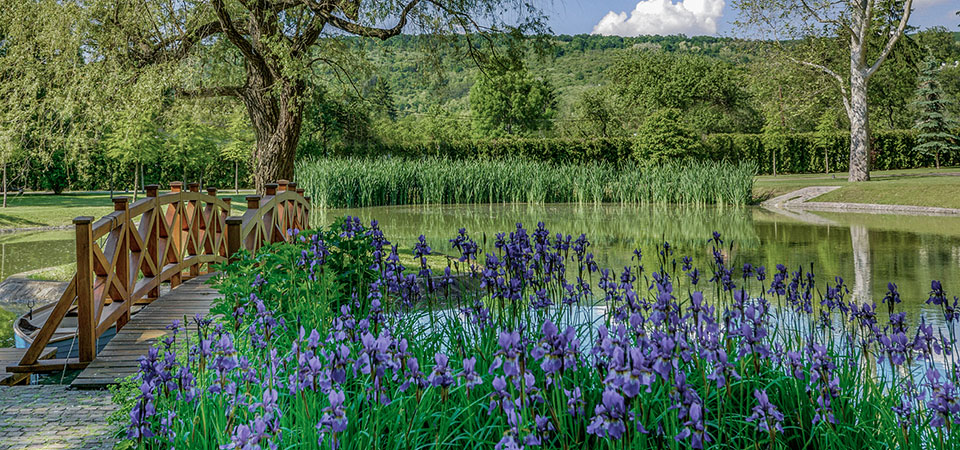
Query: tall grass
[{"x": 354, "y": 182}]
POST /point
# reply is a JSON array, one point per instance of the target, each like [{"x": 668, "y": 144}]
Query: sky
[{"x": 690, "y": 17}]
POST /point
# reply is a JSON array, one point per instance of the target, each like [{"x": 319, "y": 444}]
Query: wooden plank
[
  {"x": 121, "y": 356},
  {"x": 10, "y": 357}
]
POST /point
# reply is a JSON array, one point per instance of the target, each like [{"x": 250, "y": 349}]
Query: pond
[
  {"x": 27, "y": 251},
  {"x": 866, "y": 250}
]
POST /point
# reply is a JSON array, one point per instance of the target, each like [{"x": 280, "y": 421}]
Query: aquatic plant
[
  {"x": 352, "y": 182},
  {"x": 526, "y": 342}
]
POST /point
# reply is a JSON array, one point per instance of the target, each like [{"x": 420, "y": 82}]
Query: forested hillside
[{"x": 606, "y": 85}]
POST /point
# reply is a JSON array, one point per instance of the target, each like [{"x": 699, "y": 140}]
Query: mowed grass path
[
  {"x": 38, "y": 210},
  {"x": 918, "y": 187}
]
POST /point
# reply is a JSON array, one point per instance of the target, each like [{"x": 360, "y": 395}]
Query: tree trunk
[
  {"x": 276, "y": 121},
  {"x": 236, "y": 176},
  {"x": 136, "y": 180},
  {"x": 859, "y": 124},
  {"x": 858, "y": 114},
  {"x": 4, "y": 184}
]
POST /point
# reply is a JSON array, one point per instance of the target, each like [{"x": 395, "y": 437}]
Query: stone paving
[{"x": 54, "y": 417}]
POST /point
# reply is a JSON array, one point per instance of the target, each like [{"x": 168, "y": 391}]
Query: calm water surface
[
  {"x": 22, "y": 252},
  {"x": 866, "y": 250}
]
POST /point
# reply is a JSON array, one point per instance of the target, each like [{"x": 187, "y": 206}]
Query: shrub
[{"x": 663, "y": 137}]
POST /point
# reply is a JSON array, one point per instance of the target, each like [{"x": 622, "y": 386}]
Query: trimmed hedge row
[{"x": 787, "y": 153}]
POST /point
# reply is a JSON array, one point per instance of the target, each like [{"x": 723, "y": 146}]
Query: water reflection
[
  {"x": 860, "y": 241},
  {"x": 865, "y": 250}
]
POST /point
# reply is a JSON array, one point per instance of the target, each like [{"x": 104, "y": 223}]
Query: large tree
[
  {"x": 869, "y": 30},
  {"x": 264, "y": 52},
  {"x": 510, "y": 101}
]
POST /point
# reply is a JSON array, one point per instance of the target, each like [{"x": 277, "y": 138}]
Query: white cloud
[{"x": 691, "y": 17}]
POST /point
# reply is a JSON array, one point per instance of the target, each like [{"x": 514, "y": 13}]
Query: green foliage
[
  {"x": 934, "y": 136},
  {"x": 826, "y": 136},
  {"x": 797, "y": 152},
  {"x": 337, "y": 183},
  {"x": 347, "y": 267},
  {"x": 511, "y": 102},
  {"x": 595, "y": 115},
  {"x": 663, "y": 137},
  {"x": 707, "y": 92}
]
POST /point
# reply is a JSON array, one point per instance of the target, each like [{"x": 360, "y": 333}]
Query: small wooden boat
[{"x": 64, "y": 339}]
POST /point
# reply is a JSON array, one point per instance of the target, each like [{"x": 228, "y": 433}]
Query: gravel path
[{"x": 54, "y": 417}]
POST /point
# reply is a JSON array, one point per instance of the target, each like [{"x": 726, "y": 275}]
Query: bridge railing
[{"x": 122, "y": 261}]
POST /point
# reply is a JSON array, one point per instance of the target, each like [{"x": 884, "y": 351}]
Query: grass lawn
[
  {"x": 48, "y": 210},
  {"x": 920, "y": 187}
]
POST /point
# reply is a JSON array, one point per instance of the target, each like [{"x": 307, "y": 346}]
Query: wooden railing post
[
  {"x": 193, "y": 230},
  {"x": 175, "y": 242},
  {"x": 306, "y": 216},
  {"x": 223, "y": 217},
  {"x": 153, "y": 238},
  {"x": 253, "y": 202},
  {"x": 86, "y": 322},
  {"x": 121, "y": 264},
  {"x": 209, "y": 227},
  {"x": 252, "y": 242},
  {"x": 299, "y": 210},
  {"x": 234, "y": 225},
  {"x": 282, "y": 185}
]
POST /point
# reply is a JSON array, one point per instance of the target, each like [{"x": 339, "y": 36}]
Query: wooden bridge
[{"x": 124, "y": 258}]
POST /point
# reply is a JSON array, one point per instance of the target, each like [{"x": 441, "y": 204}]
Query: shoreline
[{"x": 800, "y": 200}]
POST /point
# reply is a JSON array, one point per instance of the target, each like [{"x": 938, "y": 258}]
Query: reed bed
[{"x": 363, "y": 182}]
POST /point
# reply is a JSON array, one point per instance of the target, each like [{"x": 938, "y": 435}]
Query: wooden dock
[
  {"x": 10, "y": 357},
  {"x": 120, "y": 357}
]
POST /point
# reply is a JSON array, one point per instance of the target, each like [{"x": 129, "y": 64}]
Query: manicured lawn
[
  {"x": 32, "y": 210},
  {"x": 939, "y": 191},
  {"x": 921, "y": 187}
]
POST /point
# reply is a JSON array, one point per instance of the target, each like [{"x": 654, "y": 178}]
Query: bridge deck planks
[
  {"x": 120, "y": 358},
  {"x": 11, "y": 357}
]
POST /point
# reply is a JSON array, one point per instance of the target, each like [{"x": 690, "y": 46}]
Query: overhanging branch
[
  {"x": 907, "y": 9},
  {"x": 365, "y": 31},
  {"x": 210, "y": 92}
]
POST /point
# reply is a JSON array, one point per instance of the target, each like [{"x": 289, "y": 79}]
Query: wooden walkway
[
  {"x": 10, "y": 357},
  {"x": 120, "y": 357}
]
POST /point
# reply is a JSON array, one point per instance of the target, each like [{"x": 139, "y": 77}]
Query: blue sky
[{"x": 691, "y": 17}]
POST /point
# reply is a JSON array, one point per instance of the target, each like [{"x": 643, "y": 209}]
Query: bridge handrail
[{"x": 177, "y": 231}]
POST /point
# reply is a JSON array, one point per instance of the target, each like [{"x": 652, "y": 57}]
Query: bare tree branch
[
  {"x": 831, "y": 73},
  {"x": 365, "y": 31},
  {"x": 825, "y": 21},
  {"x": 234, "y": 36},
  {"x": 907, "y": 9},
  {"x": 209, "y": 92}
]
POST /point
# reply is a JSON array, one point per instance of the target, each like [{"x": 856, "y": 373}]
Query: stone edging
[{"x": 799, "y": 200}]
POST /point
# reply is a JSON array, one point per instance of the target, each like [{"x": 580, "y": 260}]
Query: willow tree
[
  {"x": 265, "y": 52},
  {"x": 868, "y": 31}
]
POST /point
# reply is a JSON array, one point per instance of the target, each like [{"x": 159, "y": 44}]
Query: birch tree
[{"x": 869, "y": 29}]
